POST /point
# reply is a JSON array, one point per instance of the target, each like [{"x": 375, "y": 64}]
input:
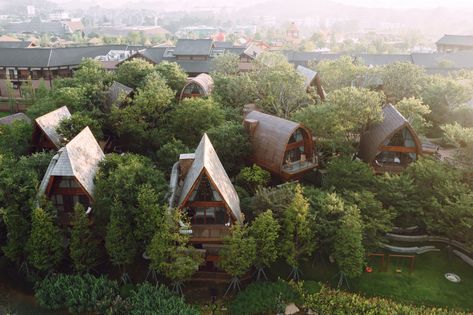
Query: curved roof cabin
[
  {"x": 391, "y": 145},
  {"x": 283, "y": 147},
  {"x": 200, "y": 86}
]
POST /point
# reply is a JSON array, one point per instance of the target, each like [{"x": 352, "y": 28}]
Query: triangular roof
[
  {"x": 50, "y": 121},
  {"x": 207, "y": 162},
  {"x": 393, "y": 121},
  {"x": 116, "y": 90},
  {"x": 7, "y": 120},
  {"x": 80, "y": 159},
  {"x": 308, "y": 74}
]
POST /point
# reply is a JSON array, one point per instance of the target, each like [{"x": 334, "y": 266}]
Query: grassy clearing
[{"x": 426, "y": 285}]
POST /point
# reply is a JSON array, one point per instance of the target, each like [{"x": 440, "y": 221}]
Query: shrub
[
  {"x": 77, "y": 293},
  {"x": 151, "y": 300},
  {"x": 264, "y": 297},
  {"x": 329, "y": 301}
]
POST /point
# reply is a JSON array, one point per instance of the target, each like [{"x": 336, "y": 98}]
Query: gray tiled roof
[
  {"x": 15, "y": 44},
  {"x": 382, "y": 59},
  {"x": 457, "y": 40},
  {"x": 195, "y": 66},
  {"x": 50, "y": 121},
  {"x": 374, "y": 137},
  {"x": 196, "y": 47},
  {"x": 116, "y": 90},
  {"x": 38, "y": 27},
  {"x": 223, "y": 44},
  {"x": 155, "y": 54},
  {"x": 454, "y": 60},
  {"x": 80, "y": 159},
  {"x": 7, "y": 120},
  {"x": 206, "y": 160}
]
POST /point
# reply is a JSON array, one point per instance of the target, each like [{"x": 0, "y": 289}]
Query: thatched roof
[
  {"x": 7, "y": 120},
  {"x": 270, "y": 138},
  {"x": 79, "y": 159},
  {"x": 50, "y": 121},
  {"x": 372, "y": 139},
  {"x": 207, "y": 162}
]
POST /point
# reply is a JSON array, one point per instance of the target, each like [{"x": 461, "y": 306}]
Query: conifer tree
[{"x": 83, "y": 247}]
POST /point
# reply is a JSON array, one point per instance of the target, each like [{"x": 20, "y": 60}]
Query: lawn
[{"x": 425, "y": 285}]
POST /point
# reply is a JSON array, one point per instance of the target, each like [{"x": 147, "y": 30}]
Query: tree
[
  {"x": 343, "y": 117},
  {"x": 296, "y": 233},
  {"x": 70, "y": 127},
  {"x": 265, "y": 231},
  {"x": 348, "y": 249},
  {"x": 402, "y": 80},
  {"x": 280, "y": 90},
  {"x": 339, "y": 73},
  {"x": 237, "y": 254},
  {"x": 226, "y": 63},
  {"x": 415, "y": 111},
  {"x": 133, "y": 72},
  {"x": 346, "y": 174},
  {"x": 44, "y": 246},
  {"x": 252, "y": 177},
  {"x": 15, "y": 138},
  {"x": 275, "y": 198},
  {"x": 173, "y": 74},
  {"x": 234, "y": 91},
  {"x": 83, "y": 248},
  {"x": 168, "y": 154},
  {"x": 461, "y": 138},
  {"x": 75, "y": 98},
  {"x": 192, "y": 117},
  {"x": 232, "y": 144},
  {"x": 148, "y": 213},
  {"x": 119, "y": 241}
]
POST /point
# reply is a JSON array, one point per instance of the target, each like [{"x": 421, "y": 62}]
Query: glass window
[{"x": 298, "y": 135}]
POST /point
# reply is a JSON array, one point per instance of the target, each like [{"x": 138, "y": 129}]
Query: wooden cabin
[
  {"x": 11, "y": 119},
  {"x": 117, "y": 93},
  {"x": 200, "y": 86},
  {"x": 311, "y": 81},
  {"x": 283, "y": 147},
  {"x": 69, "y": 178},
  {"x": 391, "y": 145},
  {"x": 207, "y": 196},
  {"x": 45, "y": 136}
]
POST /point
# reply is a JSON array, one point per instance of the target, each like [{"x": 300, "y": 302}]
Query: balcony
[
  {"x": 209, "y": 233},
  {"x": 297, "y": 167}
]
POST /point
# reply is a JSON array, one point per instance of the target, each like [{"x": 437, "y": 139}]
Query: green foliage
[
  {"x": 345, "y": 114},
  {"x": 226, "y": 64},
  {"x": 348, "y": 248},
  {"x": 77, "y": 293},
  {"x": 192, "y": 117},
  {"x": 44, "y": 246},
  {"x": 173, "y": 74},
  {"x": 232, "y": 144},
  {"x": 265, "y": 231},
  {"x": 402, "y": 80},
  {"x": 149, "y": 212},
  {"x": 238, "y": 252},
  {"x": 264, "y": 298},
  {"x": 280, "y": 90},
  {"x": 168, "y": 154},
  {"x": 15, "y": 138},
  {"x": 68, "y": 128},
  {"x": 252, "y": 177},
  {"x": 234, "y": 91},
  {"x": 329, "y": 301},
  {"x": 461, "y": 138},
  {"x": 346, "y": 174},
  {"x": 415, "y": 111},
  {"x": 133, "y": 72},
  {"x": 157, "y": 300},
  {"x": 119, "y": 241},
  {"x": 339, "y": 73},
  {"x": 83, "y": 248},
  {"x": 298, "y": 239},
  {"x": 275, "y": 198}
]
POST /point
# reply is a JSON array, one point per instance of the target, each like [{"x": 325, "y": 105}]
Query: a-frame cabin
[{"x": 45, "y": 136}]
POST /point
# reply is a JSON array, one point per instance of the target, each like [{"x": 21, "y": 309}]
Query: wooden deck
[{"x": 209, "y": 233}]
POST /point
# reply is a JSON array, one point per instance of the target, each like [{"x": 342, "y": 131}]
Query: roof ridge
[{"x": 49, "y": 59}]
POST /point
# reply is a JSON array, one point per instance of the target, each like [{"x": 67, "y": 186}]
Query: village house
[
  {"x": 391, "y": 145},
  {"x": 454, "y": 43},
  {"x": 200, "y": 86},
  {"x": 282, "y": 147},
  {"x": 202, "y": 190},
  {"x": 69, "y": 178},
  {"x": 45, "y": 135}
]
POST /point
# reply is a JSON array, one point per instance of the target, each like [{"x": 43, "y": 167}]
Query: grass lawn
[{"x": 425, "y": 285}]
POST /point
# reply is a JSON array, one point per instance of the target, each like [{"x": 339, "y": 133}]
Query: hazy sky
[{"x": 410, "y": 3}]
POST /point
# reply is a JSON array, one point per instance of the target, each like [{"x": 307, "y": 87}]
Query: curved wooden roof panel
[
  {"x": 270, "y": 138},
  {"x": 203, "y": 80}
]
